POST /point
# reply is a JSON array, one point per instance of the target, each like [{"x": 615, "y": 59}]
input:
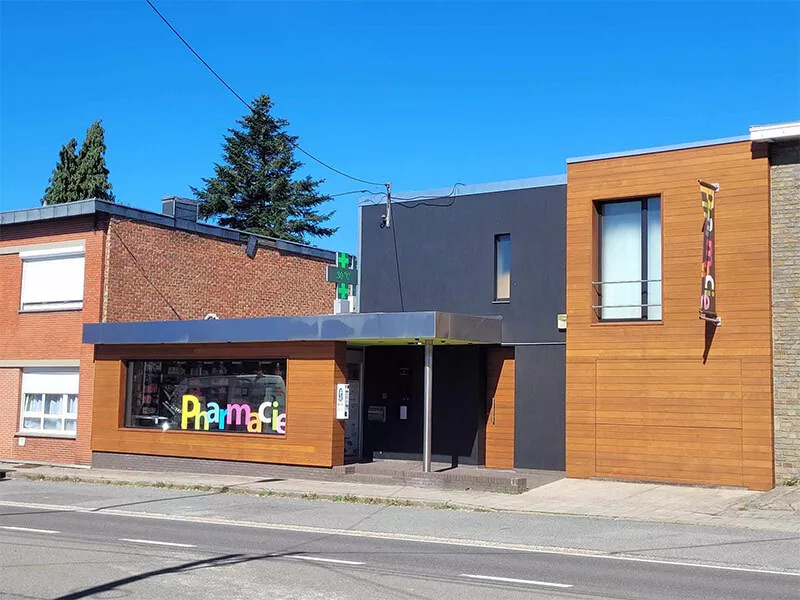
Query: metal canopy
[{"x": 356, "y": 328}]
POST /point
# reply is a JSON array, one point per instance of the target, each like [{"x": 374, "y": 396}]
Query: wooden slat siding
[
  {"x": 500, "y": 387},
  {"x": 641, "y": 404},
  {"x": 313, "y": 436}
]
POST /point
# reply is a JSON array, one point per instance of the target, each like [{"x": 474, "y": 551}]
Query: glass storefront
[{"x": 239, "y": 396}]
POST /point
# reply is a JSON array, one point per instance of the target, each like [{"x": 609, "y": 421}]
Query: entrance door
[
  {"x": 352, "y": 427},
  {"x": 500, "y": 408}
]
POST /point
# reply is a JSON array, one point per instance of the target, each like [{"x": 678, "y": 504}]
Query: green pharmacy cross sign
[{"x": 344, "y": 274}]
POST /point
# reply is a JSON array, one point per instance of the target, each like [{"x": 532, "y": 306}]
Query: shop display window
[{"x": 233, "y": 396}]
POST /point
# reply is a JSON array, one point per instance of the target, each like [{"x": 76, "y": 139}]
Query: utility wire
[
  {"x": 295, "y": 145},
  {"x": 397, "y": 265},
  {"x": 356, "y": 192},
  {"x": 452, "y": 195}
]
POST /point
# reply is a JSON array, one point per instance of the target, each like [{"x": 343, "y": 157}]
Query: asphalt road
[{"x": 72, "y": 541}]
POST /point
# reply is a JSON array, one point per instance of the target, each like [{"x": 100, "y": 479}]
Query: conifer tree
[
  {"x": 254, "y": 189},
  {"x": 91, "y": 173},
  {"x": 80, "y": 175},
  {"x": 62, "y": 181}
]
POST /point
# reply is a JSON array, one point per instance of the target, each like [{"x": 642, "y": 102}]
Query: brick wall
[
  {"x": 152, "y": 270},
  {"x": 785, "y": 194},
  {"x": 48, "y": 336},
  {"x": 55, "y": 450}
]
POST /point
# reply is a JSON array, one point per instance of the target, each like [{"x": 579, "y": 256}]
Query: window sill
[
  {"x": 627, "y": 323},
  {"x": 506, "y": 301},
  {"x": 46, "y": 434},
  {"x": 50, "y": 309}
]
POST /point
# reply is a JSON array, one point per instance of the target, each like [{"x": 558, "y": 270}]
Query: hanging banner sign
[{"x": 708, "y": 282}]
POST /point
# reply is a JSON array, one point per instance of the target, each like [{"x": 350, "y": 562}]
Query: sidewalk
[{"x": 777, "y": 510}]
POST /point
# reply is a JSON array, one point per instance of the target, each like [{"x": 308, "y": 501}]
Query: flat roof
[
  {"x": 90, "y": 207},
  {"x": 460, "y": 189},
  {"x": 775, "y": 132},
  {"x": 359, "y": 328},
  {"x": 686, "y": 146}
]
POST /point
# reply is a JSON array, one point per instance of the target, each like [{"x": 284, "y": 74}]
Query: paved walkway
[{"x": 777, "y": 510}]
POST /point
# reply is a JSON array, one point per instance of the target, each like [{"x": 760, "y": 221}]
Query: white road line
[
  {"x": 511, "y": 580},
  {"x": 29, "y": 529},
  {"x": 157, "y": 543},
  {"x": 328, "y": 560},
  {"x": 406, "y": 537}
]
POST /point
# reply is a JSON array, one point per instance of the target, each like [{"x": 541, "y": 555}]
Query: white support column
[{"x": 428, "y": 411}]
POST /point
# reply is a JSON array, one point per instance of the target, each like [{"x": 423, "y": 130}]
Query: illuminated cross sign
[{"x": 344, "y": 274}]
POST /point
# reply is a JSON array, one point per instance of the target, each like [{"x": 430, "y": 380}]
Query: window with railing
[{"x": 628, "y": 286}]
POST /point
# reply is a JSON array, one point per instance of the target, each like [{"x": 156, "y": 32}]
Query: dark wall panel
[
  {"x": 458, "y": 401},
  {"x": 445, "y": 257},
  {"x": 539, "y": 431}
]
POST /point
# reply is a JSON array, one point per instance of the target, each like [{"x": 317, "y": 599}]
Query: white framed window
[
  {"x": 52, "y": 279},
  {"x": 49, "y": 401},
  {"x": 629, "y": 287}
]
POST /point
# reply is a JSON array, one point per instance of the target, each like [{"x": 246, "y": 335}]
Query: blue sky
[{"x": 421, "y": 94}]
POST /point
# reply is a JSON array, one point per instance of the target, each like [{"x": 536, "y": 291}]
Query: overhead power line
[
  {"x": 357, "y": 192},
  {"x": 452, "y": 195},
  {"x": 295, "y": 145}
]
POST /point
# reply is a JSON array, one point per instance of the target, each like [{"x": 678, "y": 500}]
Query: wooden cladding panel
[
  {"x": 642, "y": 403},
  {"x": 313, "y": 436},
  {"x": 500, "y": 396}
]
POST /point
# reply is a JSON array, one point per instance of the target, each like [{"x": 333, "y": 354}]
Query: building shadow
[{"x": 206, "y": 563}]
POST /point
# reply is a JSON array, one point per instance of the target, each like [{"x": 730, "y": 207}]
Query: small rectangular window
[
  {"x": 49, "y": 401},
  {"x": 502, "y": 266},
  {"x": 629, "y": 283},
  {"x": 52, "y": 279}
]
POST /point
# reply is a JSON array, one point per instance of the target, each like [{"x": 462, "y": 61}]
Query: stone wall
[{"x": 785, "y": 192}]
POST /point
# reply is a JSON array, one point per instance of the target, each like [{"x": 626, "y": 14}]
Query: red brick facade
[
  {"x": 48, "y": 336},
  {"x": 150, "y": 268},
  {"x": 134, "y": 272}
]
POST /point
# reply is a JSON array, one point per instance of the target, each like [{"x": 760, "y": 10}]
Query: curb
[{"x": 265, "y": 493}]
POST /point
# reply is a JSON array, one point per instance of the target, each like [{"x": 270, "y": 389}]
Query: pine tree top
[{"x": 254, "y": 188}]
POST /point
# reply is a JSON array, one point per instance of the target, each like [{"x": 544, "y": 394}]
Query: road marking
[
  {"x": 328, "y": 560},
  {"x": 403, "y": 537},
  {"x": 29, "y": 529},
  {"x": 157, "y": 543},
  {"x": 510, "y": 580}
]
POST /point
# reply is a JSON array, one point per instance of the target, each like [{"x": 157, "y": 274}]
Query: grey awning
[{"x": 357, "y": 328}]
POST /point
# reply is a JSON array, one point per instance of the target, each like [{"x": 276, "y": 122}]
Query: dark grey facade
[{"x": 439, "y": 255}]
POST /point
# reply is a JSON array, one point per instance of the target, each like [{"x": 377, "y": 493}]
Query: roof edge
[
  {"x": 94, "y": 205},
  {"x": 656, "y": 149},
  {"x": 459, "y": 190},
  {"x": 775, "y": 132},
  {"x": 398, "y": 326}
]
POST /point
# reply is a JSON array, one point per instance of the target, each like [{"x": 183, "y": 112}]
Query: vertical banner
[{"x": 708, "y": 294}]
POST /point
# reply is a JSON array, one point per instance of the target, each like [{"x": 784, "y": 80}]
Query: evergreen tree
[
  {"x": 62, "y": 181},
  {"x": 92, "y": 174},
  {"x": 254, "y": 188},
  {"x": 80, "y": 175}
]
